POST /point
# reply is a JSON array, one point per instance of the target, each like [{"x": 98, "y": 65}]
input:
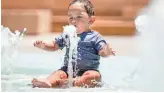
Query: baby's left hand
[
  {"x": 109, "y": 50},
  {"x": 106, "y": 51}
]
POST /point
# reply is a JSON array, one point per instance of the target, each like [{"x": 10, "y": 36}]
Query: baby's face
[{"x": 78, "y": 17}]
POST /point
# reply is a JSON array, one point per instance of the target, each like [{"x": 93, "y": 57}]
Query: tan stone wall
[
  {"x": 113, "y": 17},
  {"x": 36, "y": 21}
]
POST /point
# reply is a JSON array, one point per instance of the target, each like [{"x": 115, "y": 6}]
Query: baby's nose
[{"x": 73, "y": 22}]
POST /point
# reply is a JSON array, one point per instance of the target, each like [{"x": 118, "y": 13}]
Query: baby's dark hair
[{"x": 87, "y": 5}]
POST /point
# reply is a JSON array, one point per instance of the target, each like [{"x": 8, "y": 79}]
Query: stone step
[
  {"x": 27, "y": 4},
  {"x": 37, "y": 21}
]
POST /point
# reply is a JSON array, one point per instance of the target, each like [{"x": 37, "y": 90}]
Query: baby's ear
[{"x": 92, "y": 20}]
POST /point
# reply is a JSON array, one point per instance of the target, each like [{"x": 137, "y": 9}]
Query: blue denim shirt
[{"x": 88, "y": 47}]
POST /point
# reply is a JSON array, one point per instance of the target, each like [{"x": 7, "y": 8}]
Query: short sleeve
[
  {"x": 60, "y": 41},
  {"x": 99, "y": 42}
]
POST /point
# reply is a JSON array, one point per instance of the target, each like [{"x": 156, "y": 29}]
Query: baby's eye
[
  {"x": 79, "y": 17},
  {"x": 71, "y": 18}
]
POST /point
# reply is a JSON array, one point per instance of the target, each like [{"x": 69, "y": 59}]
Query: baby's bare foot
[{"x": 41, "y": 83}]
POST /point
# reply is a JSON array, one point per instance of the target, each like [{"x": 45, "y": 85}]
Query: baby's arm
[
  {"x": 106, "y": 51},
  {"x": 53, "y": 46}
]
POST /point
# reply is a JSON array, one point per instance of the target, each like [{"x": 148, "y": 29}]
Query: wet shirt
[{"x": 87, "y": 50}]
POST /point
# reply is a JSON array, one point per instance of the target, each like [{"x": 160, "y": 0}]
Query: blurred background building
[{"x": 113, "y": 17}]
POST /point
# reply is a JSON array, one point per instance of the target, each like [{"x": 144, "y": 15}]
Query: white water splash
[
  {"x": 9, "y": 45},
  {"x": 150, "y": 23},
  {"x": 71, "y": 44}
]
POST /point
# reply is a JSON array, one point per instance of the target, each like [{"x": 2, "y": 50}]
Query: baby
[{"x": 89, "y": 49}]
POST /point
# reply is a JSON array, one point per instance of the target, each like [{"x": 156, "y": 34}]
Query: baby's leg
[
  {"x": 89, "y": 78},
  {"x": 56, "y": 79}
]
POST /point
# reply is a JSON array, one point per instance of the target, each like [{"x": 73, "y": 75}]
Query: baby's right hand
[{"x": 40, "y": 44}]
